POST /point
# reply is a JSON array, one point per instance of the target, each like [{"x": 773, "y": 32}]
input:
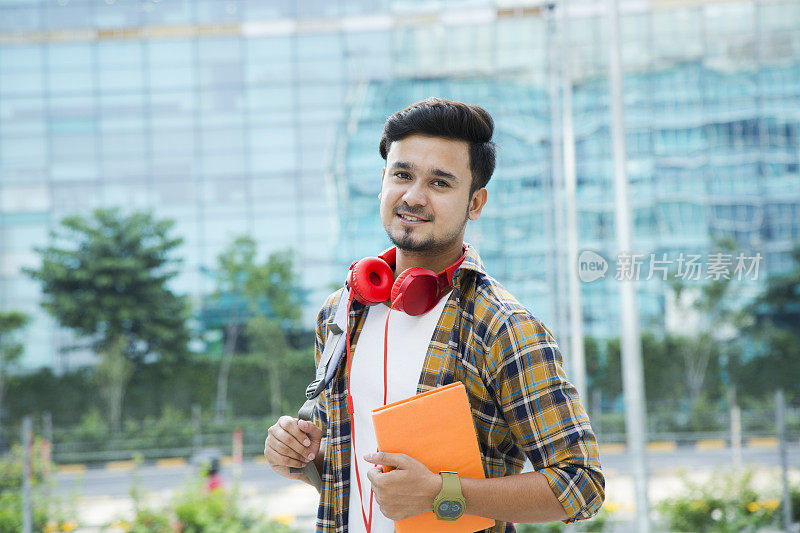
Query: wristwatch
[{"x": 449, "y": 504}]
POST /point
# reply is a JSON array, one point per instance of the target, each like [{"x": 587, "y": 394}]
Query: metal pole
[
  {"x": 554, "y": 61},
  {"x": 632, "y": 373},
  {"x": 576, "y": 352},
  {"x": 786, "y": 499},
  {"x": 27, "y": 472},
  {"x": 47, "y": 426},
  {"x": 736, "y": 429},
  {"x": 197, "y": 437}
]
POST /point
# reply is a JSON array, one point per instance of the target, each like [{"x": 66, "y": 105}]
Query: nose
[{"x": 415, "y": 194}]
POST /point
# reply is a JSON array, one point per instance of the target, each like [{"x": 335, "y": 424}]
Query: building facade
[{"x": 263, "y": 118}]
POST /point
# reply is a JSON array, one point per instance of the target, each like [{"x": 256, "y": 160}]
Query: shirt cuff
[{"x": 581, "y": 491}]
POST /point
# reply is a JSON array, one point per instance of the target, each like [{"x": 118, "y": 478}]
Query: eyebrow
[{"x": 435, "y": 171}]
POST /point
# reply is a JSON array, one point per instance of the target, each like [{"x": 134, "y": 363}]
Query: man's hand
[
  {"x": 292, "y": 443},
  {"x": 406, "y": 491}
]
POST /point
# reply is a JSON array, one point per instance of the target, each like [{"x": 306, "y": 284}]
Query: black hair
[{"x": 452, "y": 120}]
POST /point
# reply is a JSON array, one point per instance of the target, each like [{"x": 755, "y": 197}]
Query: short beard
[{"x": 407, "y": 243}]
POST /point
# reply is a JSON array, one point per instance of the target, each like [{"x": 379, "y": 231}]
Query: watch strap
[{"x": 451, "y": 485}]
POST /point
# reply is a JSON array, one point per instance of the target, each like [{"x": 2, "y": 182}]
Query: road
[
  {"x": 102, "y": 496},
  {"x": 258, "y": 476}
]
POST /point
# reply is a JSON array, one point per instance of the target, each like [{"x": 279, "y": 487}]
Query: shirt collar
[{"x": 471, "y": 262}]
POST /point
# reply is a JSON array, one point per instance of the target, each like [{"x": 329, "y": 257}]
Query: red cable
[
  {"x": 351, "y": 411},
  {"x": 351, "y": 408}
]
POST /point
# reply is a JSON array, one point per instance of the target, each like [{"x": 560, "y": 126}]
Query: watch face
[{"x": 449, "y": 509}]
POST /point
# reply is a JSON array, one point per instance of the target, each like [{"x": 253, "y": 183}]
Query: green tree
[
  {"x": 10, "y": 350},
  {"x": 106, "y": 277},
  {"x": 246, "y": 290},
  {"x": 715, "y": 339},
  {"x": 773, "y": 323}
]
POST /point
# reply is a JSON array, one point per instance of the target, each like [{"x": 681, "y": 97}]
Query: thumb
[
  {"x": 310, "y": 429},
  {"x": 395, "y": 460}
]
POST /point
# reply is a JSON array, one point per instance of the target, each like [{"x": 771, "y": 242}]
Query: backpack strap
[{"x": 335, "y": 343}]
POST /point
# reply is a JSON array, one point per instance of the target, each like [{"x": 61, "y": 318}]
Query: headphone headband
[
  {"x": 445, "y": 277},
  {"x": 415, "y": 291}
]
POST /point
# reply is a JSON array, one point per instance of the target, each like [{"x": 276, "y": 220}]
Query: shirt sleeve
[{"x": 543, "y": 412}]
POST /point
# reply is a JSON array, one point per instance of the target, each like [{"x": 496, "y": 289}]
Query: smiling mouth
[{"x": 411, "y": 218}]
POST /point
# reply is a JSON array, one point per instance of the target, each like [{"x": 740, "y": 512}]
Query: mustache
[{"x": 414, "y": 211}]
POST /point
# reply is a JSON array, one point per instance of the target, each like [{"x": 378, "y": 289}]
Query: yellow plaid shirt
[{"x": 522, "y": 404}]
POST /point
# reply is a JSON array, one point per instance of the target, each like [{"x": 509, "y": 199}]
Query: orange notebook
[{"x": 435, "y": 428}]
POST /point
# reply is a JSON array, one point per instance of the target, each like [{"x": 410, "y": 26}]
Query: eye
[
  {"x": 403, "y": 175},
  {"x": 441, "y": 183}
]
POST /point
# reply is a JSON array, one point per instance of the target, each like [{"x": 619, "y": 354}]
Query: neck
[{"x": 437, "y": 260}]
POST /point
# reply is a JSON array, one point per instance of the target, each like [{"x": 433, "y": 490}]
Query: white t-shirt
[{"x": 408, "y": 341}]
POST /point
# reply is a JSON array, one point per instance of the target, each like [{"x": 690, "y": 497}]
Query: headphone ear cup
[
  {"x": 371, "y": 280},
  {"x": 415, "y": 291}
]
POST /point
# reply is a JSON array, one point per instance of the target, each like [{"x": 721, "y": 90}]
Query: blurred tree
[
  {"x": 260, "y": 301},
  {"x": 271, "y": 351},
  {"x": 773, "y": 322},
  {"x": 712, "y": 341},
  {"x": 106, "y": 277},
  {"x": 10, "y": 349}
]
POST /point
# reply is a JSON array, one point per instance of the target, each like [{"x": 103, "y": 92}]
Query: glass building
[{"x": 247, "y": 116}]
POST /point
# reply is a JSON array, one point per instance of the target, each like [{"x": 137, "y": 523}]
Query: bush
[
  {"x": 194, "y": 509},
  {"x": 48, "y": 515},
  {"x": 597, "y": 523},
  {"x": 726, "y": 503}
]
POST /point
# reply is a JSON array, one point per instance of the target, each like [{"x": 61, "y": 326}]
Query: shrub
[
  {"x": 597, "y": 523},
  {"x": 194, "y": 509},
  {"x": 48, "y": 515},
  {"x": 726, "y": 503}
]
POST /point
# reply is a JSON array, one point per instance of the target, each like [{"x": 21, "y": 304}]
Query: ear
[{"x": 476, "y": 203}]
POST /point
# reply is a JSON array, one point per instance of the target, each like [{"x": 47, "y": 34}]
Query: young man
[{"x": 439, "y": 158}]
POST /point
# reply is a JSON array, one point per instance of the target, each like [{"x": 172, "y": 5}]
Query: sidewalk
[{"x": 296, "y": 504}]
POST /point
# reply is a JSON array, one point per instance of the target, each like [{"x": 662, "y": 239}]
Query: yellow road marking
[
  {"x": 120, "y": 466},
  {"x": 662, "y": 446},
  {"x": 172, "y": 462},
  {"x": 710, "y": 444}
]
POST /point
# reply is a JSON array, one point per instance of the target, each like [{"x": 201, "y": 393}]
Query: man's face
[{"x": 425, "y": 199}]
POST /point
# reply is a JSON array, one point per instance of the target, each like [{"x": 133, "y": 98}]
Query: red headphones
[{"x": 414, "y": 292}]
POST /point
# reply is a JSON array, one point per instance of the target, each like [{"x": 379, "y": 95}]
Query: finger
[
  {"x": 372, "y": 475},
  {"x": 284, "y": 450},
  {"x": 275, "y": 459},
  {"x": 289, "y": 425},
  {"x": 395, "y": 460},
  {"x": 310, "y": 429},
  {"x": 279, "y": 436}
]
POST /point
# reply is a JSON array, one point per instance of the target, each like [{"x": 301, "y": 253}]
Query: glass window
[
  {"x": 175, "y": 77},
  {"x": 177, "y": 12},
  {"x": 218, "y": 11},
  {"x": 223, "y": 74},
  {"x": 173, "y": 142},
  {"x": 216, "y": 164},
  {"x": 118, "y": 14},
  {"x": 219, "y": 49},
  {"x": 20, "y": 57},
  {"x": 70, "y": 82},
  {"x": 69, "y": 56},
  {"x": 23, "y": 83},
  {"x": 121, "y": 80},
  {"x": 20, "y": 18},
  {"x": 23, "y": 149},
  {"x": 128, "y": 194},
  {"x": 123, "y": 144},
  {"x": 169, "y": 52},
  {"x": 73, "y": 15},
  {"x": 22, "y": 199}
]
